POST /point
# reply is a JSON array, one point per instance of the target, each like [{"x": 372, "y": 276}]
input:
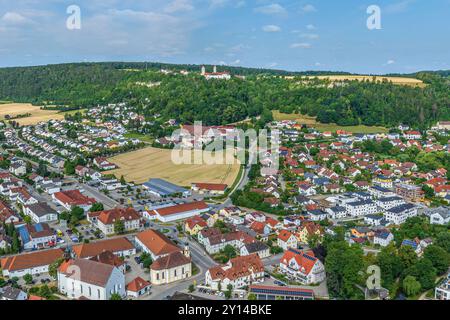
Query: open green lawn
[
  {"x": 82, "y": 111},
  {"x": 301, "y": 119},
  {"x": 141, "y": 137}
]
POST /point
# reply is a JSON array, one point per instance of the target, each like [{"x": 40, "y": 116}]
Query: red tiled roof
[
  {"x": 172, "y": 260},
  {"x": 137, "y": 284},
  {"x": 192, "y": 222},
  {"x": 74, "y": 197},
  {"x": 240, "y": 267},
  {"x": 156, "y": 242},
  {"x": 111, "y": 216},
  {"x": 284, "y": 235},
  {"x": 211, "y": 186},
  {"x": 91, "y": 249},
  {"x": 167, "y": 211},
  {"x": 30, "y": 260},
  {"x": 305, "y": 261}
]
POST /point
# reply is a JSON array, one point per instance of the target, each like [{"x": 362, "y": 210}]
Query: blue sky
[{"x": 283, "y": 34}]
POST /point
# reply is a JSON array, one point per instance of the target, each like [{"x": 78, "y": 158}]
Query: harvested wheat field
[
  {"x": 395, "y": 80},
  {"x": 36, "y": 113},
  {"x": 141, "y": 165},
  {"x": 311, "y": 121}
]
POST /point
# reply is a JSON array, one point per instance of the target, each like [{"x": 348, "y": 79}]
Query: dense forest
[{"x": 189, "y": 98}]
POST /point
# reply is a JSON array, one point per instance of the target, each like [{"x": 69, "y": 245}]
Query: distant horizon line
[{"x": 220, "y": 65}]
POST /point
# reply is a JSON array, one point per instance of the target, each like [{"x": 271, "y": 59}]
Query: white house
[
  {"x": 41, "y": 212},
  {"x": 373, "y": 220},
  {"x": 138, "y": 287},
  {"x": 336, "y": 212},
  {"x": 11, "y": 293},
  {"x": 389, "y": 202},
  {"x": 260, "y": 248},
  {"x": 440, "y": 216},
  {"x": 302, "y": 266},
  {"x": 361, "y": 208},
  {"x": 106, "y": 220},
  {"x": 287, "y": 240},
  {"x": 239, "y": 272},
  {"x": 30, "y": 263},
  {"x": 383, "y": 238},
  {"x": 398, "y": 215},
  {"x": 90, "y": 279}
]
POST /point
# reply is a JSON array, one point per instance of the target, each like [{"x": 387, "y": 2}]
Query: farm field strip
[{"x": 143, "y": 164}]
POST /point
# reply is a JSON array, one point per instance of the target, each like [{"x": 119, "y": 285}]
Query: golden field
[
  {"x": 306, "y": 120},
  {"x": 395, "y": 80},
  {"x": 37, "y": 114},
  {"x": 141, "y": 165}
]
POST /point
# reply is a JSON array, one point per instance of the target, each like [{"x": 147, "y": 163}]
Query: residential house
[
  {"x": 41, "y": 212},
  {"x": 121, "y": 247},
  {"x": 260, "y": 248},
  {"x": 37, "y": 236},
  {"x": 11, "y": 293},
  {"x": 194, "y": 225},
  {"x": 302, "y": 266},
  {"x": 383, "y": 238},
  {"x": 442, "y": 291},
  {"x": 107, "y": 221},
  {"x": 138, "y": 287},
  {"x": 440, "y": 216},
  {"x": 399, "y": 214},
  {"x": 30, "y": 263},
  {"x": 239, "y": 272},
  {"x": 73, "y": 198},
  {"x": 287, "y": 240}
]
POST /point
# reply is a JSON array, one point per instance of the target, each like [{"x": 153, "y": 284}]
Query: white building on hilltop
[{"x": 215, "y": 75}]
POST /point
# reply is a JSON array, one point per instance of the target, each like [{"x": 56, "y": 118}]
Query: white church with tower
[{"x": 215, "y": 75}]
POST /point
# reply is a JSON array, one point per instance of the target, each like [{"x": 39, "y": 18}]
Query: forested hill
[{"x": 191, "y": 97}]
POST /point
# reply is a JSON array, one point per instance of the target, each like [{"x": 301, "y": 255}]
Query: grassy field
[
  {"x": 141, "y": 137},
  {"x": 143, "y": 164},
  {"x": 395, "y": 80},
  {"x": 37, "y": 114},
  {"x": 301, "y": 119}
]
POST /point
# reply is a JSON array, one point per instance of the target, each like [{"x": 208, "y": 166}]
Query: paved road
[
  {"x": 244, "y": 178},
  {"x": 107, "y": 201},
  {"x": 199, "y": 258}
]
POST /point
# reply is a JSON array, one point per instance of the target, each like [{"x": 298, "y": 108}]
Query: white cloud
[
  {"x": 309, "y": 8},
  {"x": 272, "y": 65},
  {"x": 309, "y": 36},
  {"x": 240, "y": 4},
  {"x": 271, "y": 28},
  {"x": 13, "y": 18},
  {"x": 310, "y": 27},
  {"x": 273, "y": 8},
  {"x": 302, "y": 45},
  {"x": 179, "y": 5},
  {"x": 399, "y": 6},
  {"x": 390, "y": 62}
]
